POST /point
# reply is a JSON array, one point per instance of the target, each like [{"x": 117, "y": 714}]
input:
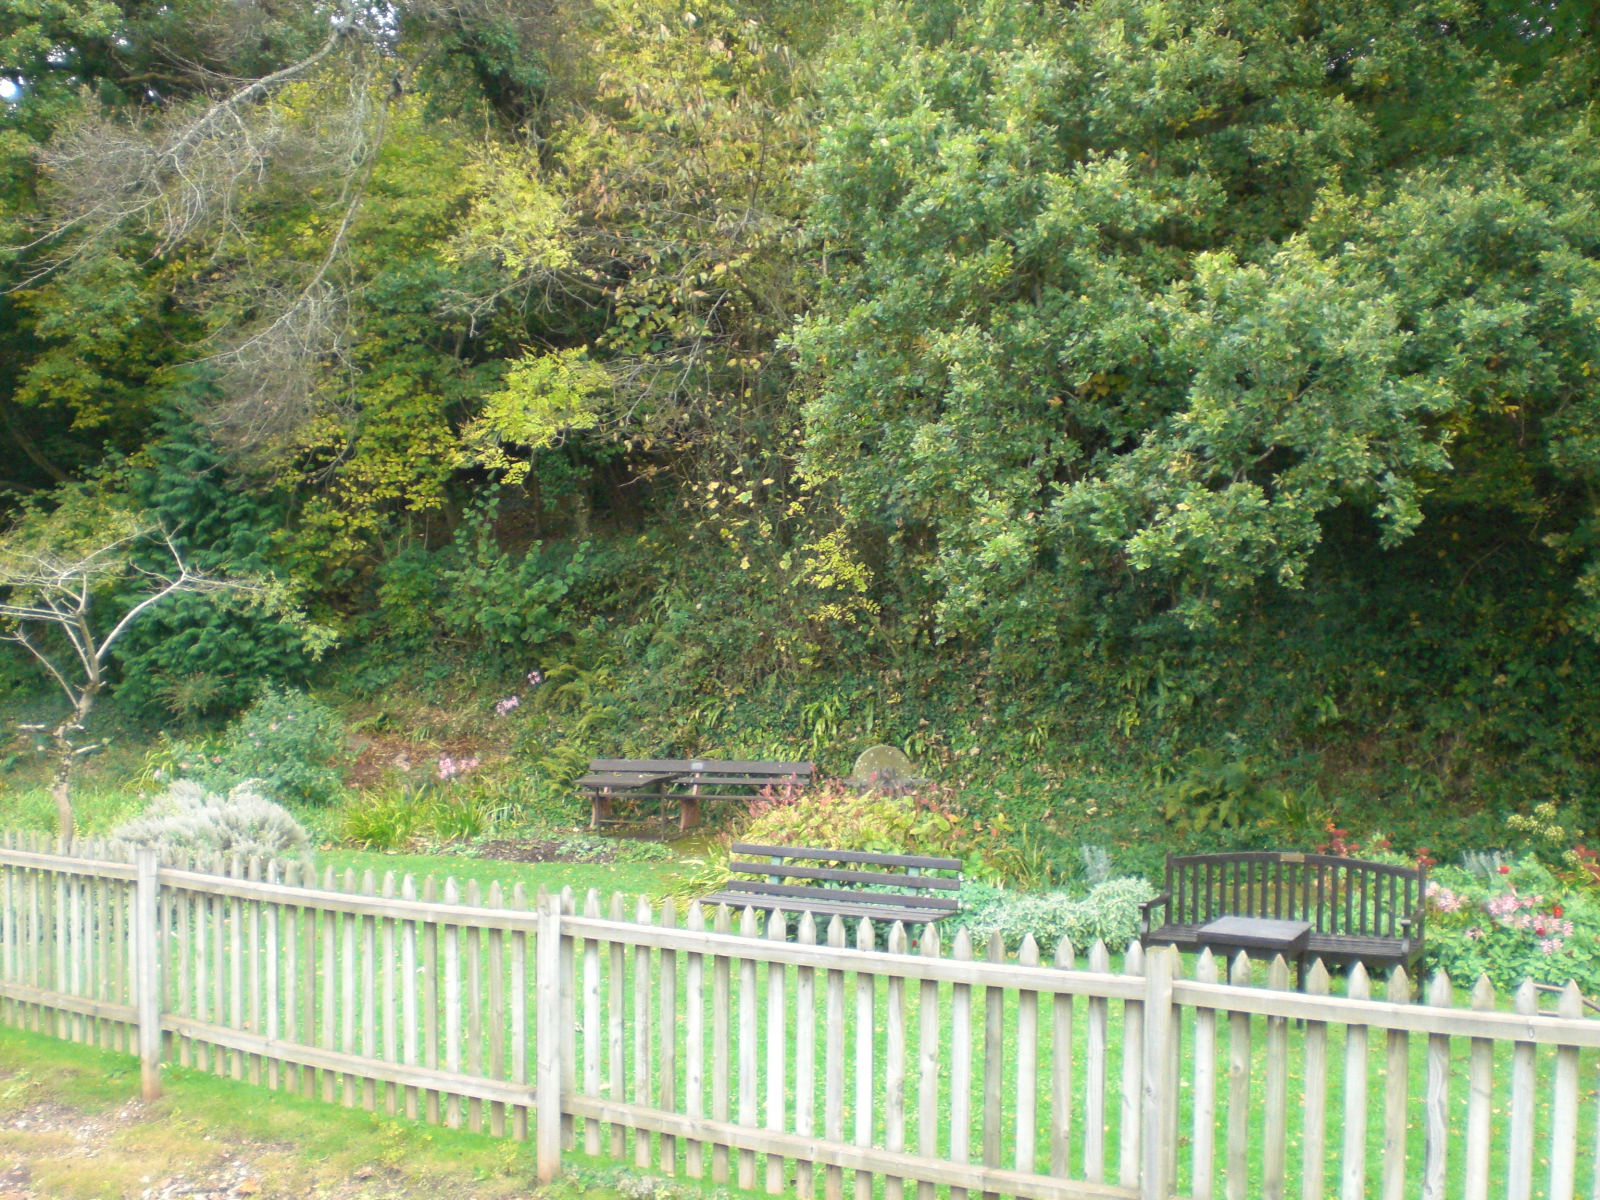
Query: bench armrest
[{"x": 1144, "y": 910}]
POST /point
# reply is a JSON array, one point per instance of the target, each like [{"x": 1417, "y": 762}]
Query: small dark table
[{"x": 1257, "y": 935}]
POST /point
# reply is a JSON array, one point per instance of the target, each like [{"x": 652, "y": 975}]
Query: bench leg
[
  {"x": 688, "y": 812},
  {"x": 599, "y": 810}
]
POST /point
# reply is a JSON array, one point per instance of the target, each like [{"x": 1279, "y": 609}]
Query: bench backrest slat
[
  {"x": 860, "y": 856},
  {"x": 883, "y": 878},
  {"x": 1337, "y": 895},
  {"x": 819, "y": 893},
  {"x": 708, "y": 765}
]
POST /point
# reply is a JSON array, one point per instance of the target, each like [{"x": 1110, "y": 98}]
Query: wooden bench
[
  {"x": 844, "y": 883},
  {"x": 683, "y": 782},
  {"x": 1317, "y": 906}
]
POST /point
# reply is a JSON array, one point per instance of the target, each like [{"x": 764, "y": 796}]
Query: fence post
[
  {"x": 146, "y": 946},
  {"x": 547, "y": 1039},
  {"x": 1157, "y": 1162}
]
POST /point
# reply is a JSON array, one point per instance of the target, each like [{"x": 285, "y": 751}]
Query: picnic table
[{"x": 684, "y": 782}]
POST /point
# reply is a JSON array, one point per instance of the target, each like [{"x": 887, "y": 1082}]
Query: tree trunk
[{"x": 61, "y": 791}]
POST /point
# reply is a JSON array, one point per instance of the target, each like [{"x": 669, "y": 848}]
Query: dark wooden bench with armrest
[
  {"x": 1311, "y": 906},
  {"x": 844, "y": 883},
  {"x": 685, "y": 782}
]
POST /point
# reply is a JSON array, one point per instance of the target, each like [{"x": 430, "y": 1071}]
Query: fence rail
[{"x": 801, "y": 1060}]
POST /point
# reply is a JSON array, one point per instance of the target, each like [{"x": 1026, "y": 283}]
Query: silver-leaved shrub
[
  {"x": 191, "y": 821},
  {"x": 1108, "y": 913}
]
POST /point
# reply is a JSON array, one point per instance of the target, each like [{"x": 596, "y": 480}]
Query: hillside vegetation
[{"x": 1173, "y": 423}]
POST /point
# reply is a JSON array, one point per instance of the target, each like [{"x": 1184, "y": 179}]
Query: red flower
[
  {"x": 1505, "y": 870},
  {"x": 1555, "y": 910}
]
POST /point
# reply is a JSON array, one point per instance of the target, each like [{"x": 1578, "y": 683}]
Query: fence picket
[
  {"x": 833, "y": 1066},
  {"x": 805, "y": 1056},
  {"x": 1314, "y": 1128},
  {"x": 1061, "y": 1097},
  {"x": 1132, "y": 1110},
  {"x": 928, "y": 1060},
  {"x": 1396, "y": 1071},
  {"x": 641, "y": 1034},
  {"x": 668, "y": 1090},
  {"x": 866, "y": 990},
  {"x": 616, "y": 999},
  {"x": 591, "y": 1023},
  {"x": 894, "y": 1062},
  {"x": 451, "y": 936},
  {"x": 777, "y": 1073},
  {"x": 391, "y": 1039},
  {"x": 1095, "y": 1072},
  {"x": 1027, "y": 1082},
  {"x": 472, "y": 945},
  {"x": 1436, "y": 1128},
  {"x": 993, "y": 1061},
  {"x": 1480, "y": 1096},
  {"x": 409, "y": 1027},
  {"x": 694, "y": 1030},
  {"x": 749, "y": 1007},
  {"x": 1204, "y": 1138},
  {"x": 497, "y": 1009},
  {"x": 1564, "y": 1105},
  {"x": 721, "y": 1020},
  {"x": 519, "y": 985},
  {"x": 1237, "y": 1174},
  {"x": 1353, "y": 1174}
]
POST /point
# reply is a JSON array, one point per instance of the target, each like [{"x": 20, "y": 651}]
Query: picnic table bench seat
[
  {"x": 684, "y": 782},
  {"x": 844, "y": 883},
  {"x": 1356, "y": 910}
]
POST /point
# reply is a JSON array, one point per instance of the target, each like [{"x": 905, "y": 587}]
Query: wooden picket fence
[{"x": 795, "y": 1060}]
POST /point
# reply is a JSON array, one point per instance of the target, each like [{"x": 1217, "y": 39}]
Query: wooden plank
[
  {"x": 1480, "y": 1101},
  {"x": 721, "y": 1020},
  {"x": 273, "y": 997},
  {"x": 748, "y": 1045},
  {"x": 641, "y": 1032},
  {"x": 498, "y": 1013},
  {"x": 1275, "y": 1092},
  {"x": 1564, "y": 1107},
  {"x": 391, "y": 997},
  {"x": 1353, "y": 1170},
  {"x": 41, "y": 998},
  {"x": 1130, "y": 1128},
  {"x": 1062, "y": 1099},
  {"x": 616, "y": 1001},
  {"x": 1159, "y": 1104},
  {"x": 518, "y": 985},
  {"x": 1236, "y": 1175},
  {"x": 566, "y": 960},
  {"x": 254, "y": 1063},
  {"x": 894, "y": 1064},
  {"x": 815, "y": 853},
  {"x": 993, "y": 1061},
  {"x": 776, "y": 1056},
  {"x": 472, "y": 945},
  {"x": 1314, "y": 1127},
  {"x": 1436, "y": 1105},
  {"x": 147, "y": 951},
  {"x": 864, "y": 1160},
  {"x": 592, "y": 1027},
  {"x": 694, "y": 1032},
  {"x": 1396, "y": 1070},
  {"x": 1203, "y": 1139},
  {"x": 833, "y": 1066},
  {"x": 410, "y": 1025},
  {"x": 547, "y": 1039},
  {"x": 912, "y": 883},
  {"x": 430, "y": 999},
  {"x": 668, "y": 1040},
  {"x": 928, "y": 1068},
  {"x": 866, "y": 1039},
  {"x": 1027, "y": 1079},
  {"x": 1095, "y": 1074}
]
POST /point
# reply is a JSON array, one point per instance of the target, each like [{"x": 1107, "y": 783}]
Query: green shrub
[
  {"x": 191, "y": 821},
  {"x": 1109, "y": 913},
  {"x": 286, "y": 741}
]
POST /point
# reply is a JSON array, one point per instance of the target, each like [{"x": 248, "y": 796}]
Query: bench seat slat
[
  {"x": 918, "y": 882},
  {"x": 860, "y": 856}
]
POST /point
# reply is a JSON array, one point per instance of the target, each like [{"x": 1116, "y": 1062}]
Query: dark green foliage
[{"x": 195, "y": 656}]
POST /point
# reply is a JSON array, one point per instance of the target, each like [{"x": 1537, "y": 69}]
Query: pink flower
[
  {"x": 1549, "y": 945},
  {"x": 506, "y": 705}
]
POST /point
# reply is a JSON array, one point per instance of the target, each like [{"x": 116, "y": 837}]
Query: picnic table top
[{"x": 1264, "y": 933}]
